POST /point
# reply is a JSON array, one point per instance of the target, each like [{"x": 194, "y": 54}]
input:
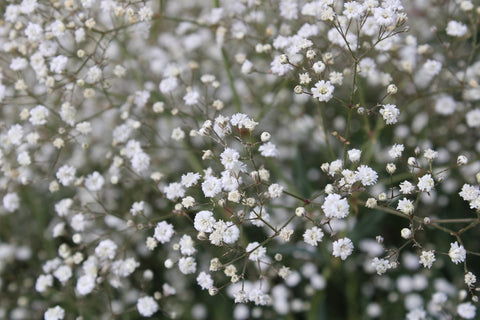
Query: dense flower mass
[{"x": 239, "y": 159}]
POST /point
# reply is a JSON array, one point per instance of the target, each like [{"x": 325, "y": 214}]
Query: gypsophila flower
[
  {"x": 390, "y": 113},
  {"x": 147, "y": 306},
  {"x": 268, "y": 150},
  {"x": 211, "y": 186},
  {"x": 416, "y": 314},
  {"x": 354, "y": 155},
  {"x": 366, "y": 175},
  {"x": 275, "y": 190},
  {"x": 457, "y": 253},
  {"x": 55, "y": 313},
  {"x": 187, "y": 245},
  {"x": 190, "y": 179},
  {"x": 255, "y": 251},
  {"x": 106, "y": 249},
  {"x": 470, "y": 279},
  {"x": 323, "y": 91},
  {"x": 406, "y": 187},
  {"x": 167, "y": 85},
  {"x": 467, "y": 310},
  {"x": 425, "y": 183},
  {"x": 456, "y": 29},
  {"x": 381, "y": 265},
  {"x": 38, "y": 115},
  {"x": 187, "y": 265},
  {"x": 396, "y": 151},
  {"x": 313, "y": 236},
  {"x": 66, "y": 174},
  {"x": 204, "y": 280},
  {"x": 342, "y": 248},
  {"x": 11, "y": 201},
  {"x": 137, "y": 208},
  {"x": 163, "y": 232},
  {"x": 335, "y": 206},
  {"x": 63, "y": 273},
  {"x": 174, "y": 190},
  {"x": 94, "y": 181},
  {"x": 406, "y": 206},
  {"x": 85, "y": 284},
  {"x": 473, "y": 118},
  {"x": 204, "y": 221},
  {"x": 43, "y": 282}
]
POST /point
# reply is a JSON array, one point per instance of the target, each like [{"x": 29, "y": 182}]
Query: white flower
[
  {"x": 323, "y": 91},
  {"x": 342, "y": 248},
  {"x": 275, "y": 190},
  {"x": 163, "y": 232},
  {"x": 425, "y": 183},
  {"x": 366, "y": 175},
  {"x": 445, "y": 105},
  {"x": 58, "y": 64},
  {"x": 167, "y": 85},
  {"x": 190, "y": 179},
  {"x": 390, "y": 113},
  {"x": 211, "y": 186},
  {"x": 85, "y": 284},
  {"x": 94, "y": 181},
  {"x": 106, "y": 249},
  {"x": 24, "y": 159},
  {"x": 187, "y": 246},
  {"x": 469, "y": 192},
  {"x": 63, "y": 273},
  {"x": 381, "y": 265},
  {"x": 174, "y": 190},
  {"x": 470, "y": 279},
  {"x": 313, "y": 236},
  {"x": 11, "y": 201},
  {"x": 38, "y": 115},
  {"x": 406, "y": 206},
  {"x": 456, "y": 29},
  {"x": 94, "y": 74},
  {"x": 255, "y": 251},
  {"x": 229, "y": 157},
  {"x": 466, "y": 310},
  {"x": 15, "y": 134},
  {"x": 187, "y": 265},
  {"x": 396, "y": 151},
  {"x": 353, "y": 10},
  {"x": 416, "y": 314},
  {"x": 147, "y": 306},
  {"x": 268, "y": 150},
  {"x": 473, "y": 118},
  {"x": 204, "y": 280},
  {"x": 66, "y": 174},
  {"x": 354, "y": 155},
  {"x": 137, "y": 208},
  {"x": 191, "y": 98},
  {"x": 335, "y": 207},
  {"x": 43, "y": 282},
  {"x": 178, "y": 134},
  {"x": 78, "y": 222},
  {"x": 55, "y": 313},
  {"x": 278, "y": 68},
  {"x": 204, "y": 221},
  {"x": 230, "y": 233},
  {"x": 406, "y": 187},
  {"x": 457, "y": 253}
]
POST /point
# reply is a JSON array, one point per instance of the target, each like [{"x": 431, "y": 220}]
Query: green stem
[{"x": 236, "y": 99}]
